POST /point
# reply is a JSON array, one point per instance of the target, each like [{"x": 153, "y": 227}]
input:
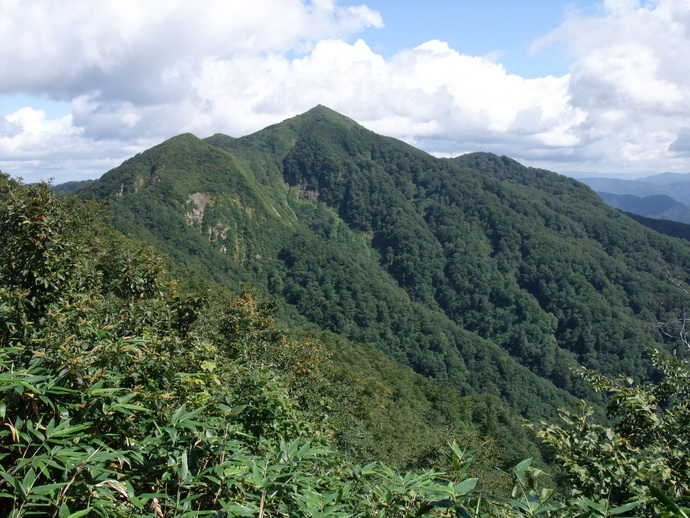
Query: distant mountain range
[
  {"x": 661, "y": 196},
  {"x": 486, "y": 275}
]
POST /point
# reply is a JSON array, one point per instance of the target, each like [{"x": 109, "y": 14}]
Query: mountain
[
  {"x": 71, "y": 187},
  {"x": 674, "y": 185},
  {"x": 479, "y": 272},
  {"x": 668, "y": 178},
  {"x": 657, "y": 206},
  {"x": 662, "y": 196},
  {"x": 640, "y": 187},
  {"x": 647, "y": 206}
]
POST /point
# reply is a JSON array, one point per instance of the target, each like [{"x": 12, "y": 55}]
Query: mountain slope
[
  {"x": 196, "y": 203},
  {"x": 477, "y": 271},
  {"x": 658, "y": 206},
  {"x": 664, "y": 226}
]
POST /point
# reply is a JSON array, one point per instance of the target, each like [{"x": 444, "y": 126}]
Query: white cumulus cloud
[
  {"x": 135, "y": 73},
  {"x": 631, "y": 79}
]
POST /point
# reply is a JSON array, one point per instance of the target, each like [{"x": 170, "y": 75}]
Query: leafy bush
[{"x": 643, "y": 454}]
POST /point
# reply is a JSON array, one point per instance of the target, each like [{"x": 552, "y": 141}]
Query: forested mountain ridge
[
  {"x": 664, "y": 226},
  {"x": 477, "y": 271}
]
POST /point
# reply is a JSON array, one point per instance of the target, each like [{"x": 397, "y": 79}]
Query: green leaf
[
  {"x": 128, "y": 408},
  {"x": 465, "y": 486},
  {"x": 625, "y": 507},
  {"x": 588, "y": 505},
  {"x": 175, "y": 419},
  {"x": 668, "y": 502},
  {"x": 521, "y": 468},
  {"x": 184, "y": 471},
  {"x": 514, "y": 503},
  {"x": 440, "y": 504},
  {"x": 29, "y": 479},
  {"x": 22, "y": 490},
  {"x": 47, "y": 488},
  {"x": 12, "y": 481},
  {"x": 369, "y": 469}
]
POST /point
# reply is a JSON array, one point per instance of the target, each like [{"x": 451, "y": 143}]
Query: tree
[{"x": 643, "y": 454}]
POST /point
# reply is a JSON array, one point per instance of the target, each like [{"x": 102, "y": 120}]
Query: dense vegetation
[
  {"x": 126, "y": 392},
  {"x": 664, "y": 226},
  {"x": 479, "y": 272}
]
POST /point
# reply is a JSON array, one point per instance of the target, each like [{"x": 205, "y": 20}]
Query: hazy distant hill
[
  {"x": 477, "y": 271},
  {"x": 71, "y": 187},
  {"x": 663, "y": 196},
  {"x": 658, "y": 206},
  {"x": 674, "y": 185},
  {"x": 668, "y": 178}
]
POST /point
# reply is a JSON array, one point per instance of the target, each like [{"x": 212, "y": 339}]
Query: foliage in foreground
[
  {"x": 118, "y": 399},
  {"x": 645, "y": 453}
]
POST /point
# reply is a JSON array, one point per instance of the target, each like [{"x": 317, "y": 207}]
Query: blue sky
[
  {"x": 589, "y": 86},
  {"x": 478, "y": 28},
  {"x": 12, "y": 102}
]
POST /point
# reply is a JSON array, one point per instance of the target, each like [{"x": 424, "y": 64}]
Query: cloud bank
[{"x": 135, "y": 73}]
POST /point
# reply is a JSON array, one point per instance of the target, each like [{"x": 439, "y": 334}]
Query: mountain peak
[
  {"x": 321, "y": 114},
  {"x": 479, "y": 271}
]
